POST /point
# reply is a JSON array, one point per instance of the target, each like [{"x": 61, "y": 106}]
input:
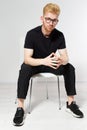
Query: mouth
[{"x": 50, "y": 26}]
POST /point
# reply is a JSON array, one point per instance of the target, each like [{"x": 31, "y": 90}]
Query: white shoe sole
[
  {"x": 73, "y": 114},
  {"x": 18, "y": 124},
  {"x": 22, "y": 123}
]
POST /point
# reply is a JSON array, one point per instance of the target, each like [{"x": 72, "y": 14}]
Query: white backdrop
[{"x": 19, "y": 16}]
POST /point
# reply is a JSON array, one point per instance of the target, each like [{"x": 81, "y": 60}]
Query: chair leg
[
  {"x": 31, "y": 81},
  {"x": 59, "y": 93},
  {"x": 16, "y": 100},
  {"x": 46, "y": 89}
]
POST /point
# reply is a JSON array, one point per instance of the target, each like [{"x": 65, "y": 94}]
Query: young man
[{"x": 41, "y": 44}]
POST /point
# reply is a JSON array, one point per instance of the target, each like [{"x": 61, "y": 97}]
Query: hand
[{"x": 52, "y": 61}]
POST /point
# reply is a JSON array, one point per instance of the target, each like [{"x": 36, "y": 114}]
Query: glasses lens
[{"x": 49, "y": 20}]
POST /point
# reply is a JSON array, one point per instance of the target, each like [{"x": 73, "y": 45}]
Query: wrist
[{"x": 41, "y": 61}]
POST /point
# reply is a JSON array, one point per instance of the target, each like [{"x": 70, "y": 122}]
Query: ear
[{"x": 41, "y": 18}]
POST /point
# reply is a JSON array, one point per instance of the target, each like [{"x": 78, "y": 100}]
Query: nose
[{"x": 51, "y": 22}]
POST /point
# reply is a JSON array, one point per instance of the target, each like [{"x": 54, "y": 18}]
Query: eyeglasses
[{"x": 49, "y": 20}]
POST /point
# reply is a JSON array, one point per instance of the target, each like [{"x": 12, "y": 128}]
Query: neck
[{"x": 45, "y": 32}]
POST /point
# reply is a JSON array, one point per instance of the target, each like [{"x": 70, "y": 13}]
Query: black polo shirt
[{"x": 41, "y": 45}]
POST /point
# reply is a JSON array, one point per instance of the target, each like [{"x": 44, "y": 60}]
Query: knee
[
  {"x": 25, "y": 67},
  {"x": 70, "y": 67}
]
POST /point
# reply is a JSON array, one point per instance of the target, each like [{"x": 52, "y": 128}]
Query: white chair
[{"x": 46, "y": 76}]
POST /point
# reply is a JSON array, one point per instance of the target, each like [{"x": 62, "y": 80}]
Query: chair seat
[{"x": 45, "y": 75}]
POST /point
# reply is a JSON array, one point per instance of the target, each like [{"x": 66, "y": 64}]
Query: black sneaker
[
  {"x": 74, "y": 110},
  {"x": 18, "y": 118}
]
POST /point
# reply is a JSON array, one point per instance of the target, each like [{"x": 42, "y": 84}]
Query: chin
[{"x": 50, "y": 28}]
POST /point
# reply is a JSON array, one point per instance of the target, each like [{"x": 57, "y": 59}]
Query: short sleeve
[
  {"x": 28, "y": 41},
  {"x": 62, "y": 42}
]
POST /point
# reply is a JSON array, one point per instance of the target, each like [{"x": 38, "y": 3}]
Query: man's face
[{"x": 49, "y": 21}]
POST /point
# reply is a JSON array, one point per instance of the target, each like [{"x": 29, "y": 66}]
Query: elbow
[
  {"x": 25, "y": 61},
  {"x": 66, "y": 61}
]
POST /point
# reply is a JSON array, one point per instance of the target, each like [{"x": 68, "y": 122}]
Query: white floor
[{"x": 45, "y": 114}]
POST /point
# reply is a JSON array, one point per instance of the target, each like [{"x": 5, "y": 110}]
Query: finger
[
  {"x": 54, "y": 64},
  {"x": 55, "y": 61},
  {"x": 53, "y": 67},
  {"x": 52, "y": 54}
]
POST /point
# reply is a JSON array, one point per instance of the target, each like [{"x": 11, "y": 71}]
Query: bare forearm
[
  {"x": 52, "y": 61},
  {"x": 47, "y": 61},
  {"x": 64, "y": 60},
  {"x": 34, "y": 61},
  {"x": 63, "y": 56}
]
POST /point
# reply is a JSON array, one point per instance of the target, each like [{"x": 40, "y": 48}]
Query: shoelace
[{"x": 19, "y": 113}]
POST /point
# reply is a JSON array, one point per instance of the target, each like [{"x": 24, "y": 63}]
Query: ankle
[
  {"x": 21, "y": 103},
  {"x": 70, "y": 99}
]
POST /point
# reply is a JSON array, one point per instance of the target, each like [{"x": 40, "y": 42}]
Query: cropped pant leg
[
  {"x": 25, "y": 74},
  {"x": 68, "y": 71},
  {"x": 69, "y": 78}
]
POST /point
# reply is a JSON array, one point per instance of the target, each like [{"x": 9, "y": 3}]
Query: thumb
[{"x": 52, "y": 54}]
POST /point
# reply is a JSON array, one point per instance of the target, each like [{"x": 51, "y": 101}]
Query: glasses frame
[{"x": 49, "y": 20}]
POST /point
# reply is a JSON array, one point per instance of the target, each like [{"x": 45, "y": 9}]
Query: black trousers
[{"x": 26, "y": 71}]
